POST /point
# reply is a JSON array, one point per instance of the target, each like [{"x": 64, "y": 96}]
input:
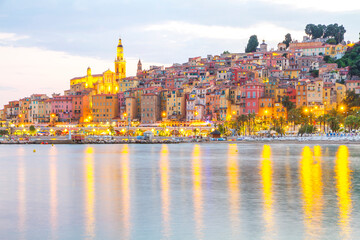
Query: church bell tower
[
  {"x": 139, "y": 66},
  {"x": 120, "y": 63}
]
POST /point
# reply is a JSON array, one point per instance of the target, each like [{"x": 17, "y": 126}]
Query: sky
[{"x": 45, "y": 43}]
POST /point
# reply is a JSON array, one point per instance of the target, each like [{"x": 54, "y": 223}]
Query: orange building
[
  {"x": 104, "y": 107},
  {"x": 301, "y": 93},
  {"x": 81, "y": 108},
  {"x": 150, "y": 108}
]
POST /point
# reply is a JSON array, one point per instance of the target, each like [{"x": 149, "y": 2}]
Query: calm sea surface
[{"x": 183, "y": 191}]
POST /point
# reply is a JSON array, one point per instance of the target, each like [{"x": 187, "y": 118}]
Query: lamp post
[
  {"x": 126, "y": 115},
  {"x": 343, "y": 109},
  {"x": 306, "y": 111}
]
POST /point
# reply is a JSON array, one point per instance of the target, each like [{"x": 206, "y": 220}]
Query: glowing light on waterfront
[
  {"x": 266, "y": 173},
  {"x": 125, "y": 189},
  {"x": 89, "y": 194},
  {"x": 311, "y": 185},
  {"x": 343, "y": 190},
  {"x": 233, "y": 186},
  {"x": 197, "y": 191},
  {"x": 165, "y": 190}
]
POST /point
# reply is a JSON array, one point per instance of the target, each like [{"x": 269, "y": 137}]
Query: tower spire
[{"x": 120, "y": 63}]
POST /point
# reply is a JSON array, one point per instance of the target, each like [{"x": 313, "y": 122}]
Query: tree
[
  {"x": 241, "y": 120},
  {"x": 330, "y": 30},
  {"x": 32, "y": 129},
  {"x": 294, "y": 116},
  {"x": 322, "y": 120},
  {"x": 339, "y": 33},
  {"x": 287, "y": 40},
  {"x": 321, "y": 31},
  {"x": 309, "y": 29},
  {"x": 226, "y": 52},
  {"x": 315, "y": 31},
  {"x": 329, "y": 59},
  {"x": 351, "y": 122},
  {"x": 221, "y": 129},
  {"x": 355, "y": 69},
  {"x": 333, "y": 123},
  {"x": 4, "y": 132},
  {"x": 287, "y": 104},
  {"x": 331, "y": 41},
  {"x": 111, "y": 130},
  {"x": 314, "y": 73},
  {"x": 253, "y": 43},
  {"x": 351, "y": 99},
  {"x": 306, "y": 128}
]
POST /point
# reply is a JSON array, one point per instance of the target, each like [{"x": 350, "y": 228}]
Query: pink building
[
  {"x": 253, "y": 91},
  {"x": 122, "y": 105},
  {"x": 62, "y": 107}
]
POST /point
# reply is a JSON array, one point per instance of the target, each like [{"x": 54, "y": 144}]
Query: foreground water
[{"x": 184, "y": 191}]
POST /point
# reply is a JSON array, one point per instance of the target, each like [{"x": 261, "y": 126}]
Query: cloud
[
  {"x": 28, "y": 70},
  {"x": 267, "y": 31},
  {"x": 6, "y": 38},
  {"x": 319, "y": 5}
]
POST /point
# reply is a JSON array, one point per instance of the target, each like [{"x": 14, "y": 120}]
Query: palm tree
[
  {"x": 351, "y": 122},
  {"x": 322, "y": 119},
  {"x": 251, "y": 121},
  {"x": 241, "y": 120},
  {"x": 333, "y": 123},
  {"x": 294, "y": 116},
  {"x": 282, "y": 121}
]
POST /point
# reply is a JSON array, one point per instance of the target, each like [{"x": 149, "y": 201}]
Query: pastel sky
[{"x": 44, "y": 43}]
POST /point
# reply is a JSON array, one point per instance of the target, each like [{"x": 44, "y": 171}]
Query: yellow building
[
  {"x": 334, "y": 50},
  {"x": 340, "y": 92},
  {"x": 315, "y": 92},
  {"x": 176, "y": 105},
  {"x": 107, "y": 82},
  {"x": 120, "y": 63},
  {"x": 292, "y": 73},
  {"x": 127, "y": 84}
]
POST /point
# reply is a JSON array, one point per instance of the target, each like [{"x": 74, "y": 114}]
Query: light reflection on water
[
  {"x": 343, "y": 189},
  {"x": 165, "y": 194},
  {"x": 90, "y": 220},
  {"x": 311, "y": 185},
  {"x": 233, "y": 186},
  {"x": 202, "y": 191},
  {"x": 197, "y": 191},
  {"x": 266, "y": 173},
  {"x": 125, "y": 192}
]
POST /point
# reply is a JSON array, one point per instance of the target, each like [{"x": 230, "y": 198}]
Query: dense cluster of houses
[{"x": 212, "y": 88}]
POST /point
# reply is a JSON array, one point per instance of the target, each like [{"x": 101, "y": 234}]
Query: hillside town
[{"x": 268, "y": 86}]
